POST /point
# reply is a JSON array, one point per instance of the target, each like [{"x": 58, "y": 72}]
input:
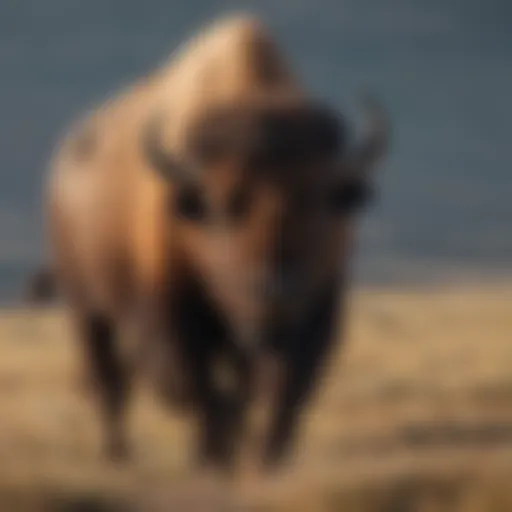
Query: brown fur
[
  {"x": 273, "y": 136},
  {"x": 230, "y": 106}
]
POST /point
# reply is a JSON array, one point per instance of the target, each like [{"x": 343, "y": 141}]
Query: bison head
[{"x": 265, "y": 199}]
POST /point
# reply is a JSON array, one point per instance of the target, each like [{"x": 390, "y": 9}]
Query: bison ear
[
  {"x": 349, "y": 196},
  {"x": 164, "y": 163}
]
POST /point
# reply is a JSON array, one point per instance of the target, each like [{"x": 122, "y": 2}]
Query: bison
[{"x": 205, "y": 217}]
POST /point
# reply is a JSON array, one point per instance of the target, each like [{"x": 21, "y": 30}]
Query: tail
[{"x": 42, "y": 287}]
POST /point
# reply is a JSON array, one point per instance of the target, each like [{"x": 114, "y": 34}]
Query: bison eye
[
  {"x": 189, "y": 204},
  {"x": 349, "y": 198}
]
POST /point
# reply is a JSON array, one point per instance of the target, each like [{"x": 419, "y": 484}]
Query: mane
[{"x": 272, "y": 135}]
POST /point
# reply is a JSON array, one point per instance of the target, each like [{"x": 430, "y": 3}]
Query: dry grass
[{"x": 415, "y": 415}]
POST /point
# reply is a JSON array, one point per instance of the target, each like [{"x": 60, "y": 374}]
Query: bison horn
[
  {"x": 166, "y": 164},
  {"x": 375, "y": 144}
]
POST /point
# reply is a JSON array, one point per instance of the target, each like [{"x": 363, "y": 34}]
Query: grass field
[{"x": 415, "y": 414}]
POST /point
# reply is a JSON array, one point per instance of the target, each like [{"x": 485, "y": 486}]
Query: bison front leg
[
  {"x": 300, "y": 363},
  {"x": 161, "y": 354},
  {"x": 218, "y": 416},
  {"x": 109, "y": 377},
  {"x": 178, "y": 345}
]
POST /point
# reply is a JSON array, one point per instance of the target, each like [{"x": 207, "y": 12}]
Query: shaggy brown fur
[{"x": 206, "y": 210}]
